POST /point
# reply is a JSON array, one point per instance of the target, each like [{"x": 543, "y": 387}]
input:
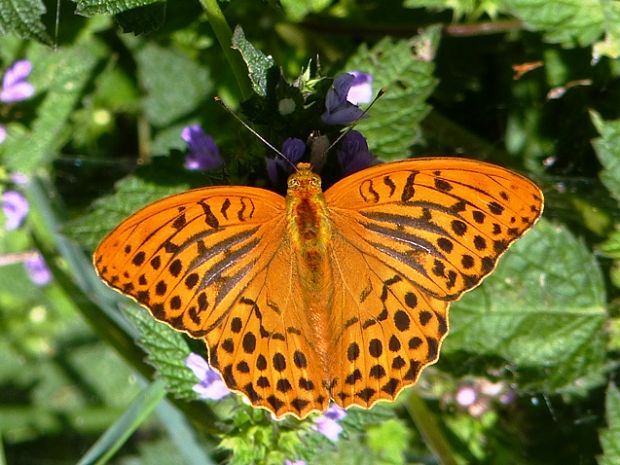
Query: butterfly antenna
[
  {"x": 550, "y": 407},
  {"x": 253, "y": 131},
  {"x": 57, "y": 24},
  {"x": 350, "y": 128}
]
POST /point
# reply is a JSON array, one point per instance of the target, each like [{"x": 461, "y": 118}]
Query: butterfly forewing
[
  {"x": 177, "y": 256},
  {"x": 442, "y": 221}
]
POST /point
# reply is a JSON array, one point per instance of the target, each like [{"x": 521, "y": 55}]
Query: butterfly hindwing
[
  {"x": 389, "y": 332},
  {"x": 263, "y": 348}
]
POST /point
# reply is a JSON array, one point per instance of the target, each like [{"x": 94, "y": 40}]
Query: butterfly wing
[
  {"x": 216, "y": 263},
  {"x": 415, "y": 235}
]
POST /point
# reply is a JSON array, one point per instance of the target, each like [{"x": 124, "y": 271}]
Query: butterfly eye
[{"x": 293, "y": 182}]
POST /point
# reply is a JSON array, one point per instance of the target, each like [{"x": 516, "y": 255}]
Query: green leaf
[
  {"x": 613, "y": 328},
  {"x": 255, "y": 440},
  {"x": 296, "y": 10},
  {"x": 611, "y": 246},
  {"x": 542, "y": 311},
  {"x": 143, "y": 19},
  {"x": 167, "y": 350},
  {"x": 468, "y": 8},
  {"x": 260, "y": 67},
  {"x": 109, "y": 7},
  {"x": 610, "y": 45},
  {"x": 405, "y": 70},
  {"x": 23, "y": 18},
  {"x": 389, "y": 441},
  {"x": 610, "y": 437},
  {"x": 60, "y": 78},
  {"x": 607, "y": 148},
  {"x": 175, "y": 85},
  {"x": 569, "y": 22}
]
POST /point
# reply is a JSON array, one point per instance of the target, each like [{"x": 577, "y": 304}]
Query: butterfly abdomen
[{"x": 309, "y": 230}]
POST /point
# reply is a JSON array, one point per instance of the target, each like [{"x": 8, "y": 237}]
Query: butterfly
[{"x": 319, "y": 296}]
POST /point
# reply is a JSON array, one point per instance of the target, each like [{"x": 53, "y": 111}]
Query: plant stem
[
  {"x": 224, "y": 36},
  {"x": 426, "y": 423}
]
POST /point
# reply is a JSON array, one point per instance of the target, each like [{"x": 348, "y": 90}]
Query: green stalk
[
  {"x": 118, "y": 433},
  {"x": 428, "y": 427},
  {"x": 224, "y": 37}
]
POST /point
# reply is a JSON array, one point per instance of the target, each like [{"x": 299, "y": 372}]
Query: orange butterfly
[{"x": 339, "y": 295}]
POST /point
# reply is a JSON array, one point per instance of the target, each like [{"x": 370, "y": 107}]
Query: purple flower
[
  {"x": 292, "y": 149},
  {"x": 211, "y": 385},
  {"x": 476, "y": 396},
  {"x": 327, "y": 424},
  {"x": 361, "y": 88},
  {"x": 15, "y": 208},
  {"x": 19, "y": 178},
  {"x": 466, "y": 396},
  {"x": 203, "y": 152},
  {"x": 37, "y": 270},
  {"x": 2, "y": 134},
  {"x": 353, "y": 154},
  {"x": 338, "y": 110},
  {"x": 14, "y": 85}
]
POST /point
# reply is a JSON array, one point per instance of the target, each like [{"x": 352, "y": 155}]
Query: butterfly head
[{"x": 304, "y": 182}]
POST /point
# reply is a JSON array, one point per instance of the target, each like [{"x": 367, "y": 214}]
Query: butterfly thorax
[{"x": 308, "y": 226}]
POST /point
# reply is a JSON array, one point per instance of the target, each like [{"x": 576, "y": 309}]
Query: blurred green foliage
[{"x": 115, "y": 83}]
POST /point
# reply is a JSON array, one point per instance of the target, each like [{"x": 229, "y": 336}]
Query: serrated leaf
[
  {"x": 610, "y": 437},
  {"x": 542, "y": 311},
  {"x": 175, "y": 85},
  {"x": 569, "y": 22},
  {"x": 110, "y": 7},
  {"x": 61, "y": 76},
  {"x": 260, "y": 67},
  {"x": 607, "y": 148},
  {"x": 23, "y": 18},
  {"x": 405, "y": 71},
  {"x": 167, "y": 350}
]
